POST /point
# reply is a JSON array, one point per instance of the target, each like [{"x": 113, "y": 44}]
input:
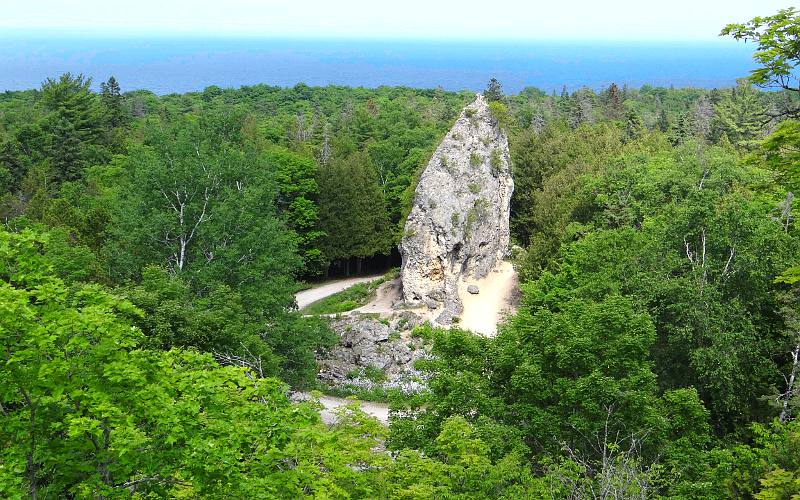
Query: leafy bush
[{"x": 475, "y": 160}]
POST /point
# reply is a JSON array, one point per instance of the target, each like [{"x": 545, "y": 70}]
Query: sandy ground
[
  {"x": 482, "y": 312},
  {"x": 306, "y": 297},
  {"x": 378, "y": 410}
]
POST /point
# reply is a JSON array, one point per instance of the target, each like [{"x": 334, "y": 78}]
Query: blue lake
[{"x": 165, "y": 65}]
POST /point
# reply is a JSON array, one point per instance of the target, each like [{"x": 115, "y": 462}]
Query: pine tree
[
  {"x": 494, "y": 91},
  {"x": 71, "y": 98},
  {"x": 66, "y": 151},
  {"x": 581, "y": 108},
  {"x": 111, "y": 96},
  {"x": 634, "y": 128},
  {"x": 614, "y": 109},
  {"x": 739, "y": 116},
  {"x": 685, "y": 129},
  {"x": 663, "y": 121},
  {"x": 352, "y": 210}
]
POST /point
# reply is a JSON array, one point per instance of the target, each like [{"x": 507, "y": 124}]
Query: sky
[{"x": 405, "y": 19}]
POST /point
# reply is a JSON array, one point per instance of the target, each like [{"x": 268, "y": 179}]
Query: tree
[
  {"x": 298, "y": 195},
  {"x": 702, "y": 116},
  {"x": 67, "y": 151},
  {"x": 85, "y": 411},
  {"x": 71, "y": 98},
  {"x": 634, "y": 127},
  {"x": 494, "y": 91},
  {"x": 782, "y": 152},
  {"x": 663, "y": 121},
  {"x": 352, "y": 211},
  {"x": 738, "y": 116},
  {"x": 613, "y": 98},
  {"x": 203, "y": 209},
  {"x": 111, "y": 96},
  {"x": 778, "y": 40}
]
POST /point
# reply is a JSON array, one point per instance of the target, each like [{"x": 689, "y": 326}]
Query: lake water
[{"x": 166, "y": 65}]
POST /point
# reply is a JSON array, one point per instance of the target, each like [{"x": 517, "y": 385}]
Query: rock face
[{"x": 458, "y": 227}]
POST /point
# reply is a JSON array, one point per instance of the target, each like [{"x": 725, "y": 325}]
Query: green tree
[
  {"x": 298, "y": 195},
  {"x": 352, "y": 211},
  {"x": 613, "y": 97},
  {"x": 634, "y": 127},
  {"x": 494, "y": 91},
  {"x": 778, "y": 47},
  {"x": 203, "y": 208},
  {"x": 87, "y": 412},
  {"x": 67, "y": 151},
  {"x": 663, "y": 121},
  {"x": 71, "y": 98},
  {"x": 111, "y": 97},
  {"x": 739, "y": 116}
]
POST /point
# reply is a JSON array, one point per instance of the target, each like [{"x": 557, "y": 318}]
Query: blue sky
[{"x": 410, "y": 19}]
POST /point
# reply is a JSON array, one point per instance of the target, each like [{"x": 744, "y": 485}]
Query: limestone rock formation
[
  {"x": 368, "y": 345},
  {"x": 458, "y": 227}
]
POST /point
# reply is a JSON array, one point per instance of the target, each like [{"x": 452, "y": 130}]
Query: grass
[
  {"x": 350, "y": 298},
  {"x": 376, "y": 394}
]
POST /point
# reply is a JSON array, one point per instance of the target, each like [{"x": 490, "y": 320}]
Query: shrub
[
  {"x": 496, "y": 162},
  {"x": 475, "y": 159},
  {"x": 500, "y": 114}
]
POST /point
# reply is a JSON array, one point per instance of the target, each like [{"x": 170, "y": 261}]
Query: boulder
[{"x": 473, "y": 289}]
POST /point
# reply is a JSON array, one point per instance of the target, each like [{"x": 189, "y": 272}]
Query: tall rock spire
[{"x": 458, "y": 227}]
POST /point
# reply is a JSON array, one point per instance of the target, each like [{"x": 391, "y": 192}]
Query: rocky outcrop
[
  {"x": 374, "y": 353},
  {"x": 458, "y": 227}
]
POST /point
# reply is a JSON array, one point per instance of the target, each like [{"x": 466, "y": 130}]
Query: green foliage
[
  {"x": 297, "y": 201},
  {"x": 346, "y": 300},
  {"x": 460, "y": 466},
  {"x": 739, "y": 116},
  {"x": 353, "y": 212},
  {"x": 500, "y": 115},
  {"x": 88, "y": 412},
  {"x": 778, "y": 46},
  {"x": 782, "y": 151},
  {"x": 494, "y": 91},
  {"x": 475, "y": 160},
  {"x": 214, "y": 205},
  {"x": 549, "y": 172},
  {"x": 496, "y": 162}
]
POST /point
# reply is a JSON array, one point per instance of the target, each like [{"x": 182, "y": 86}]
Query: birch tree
[{"x": 205, "y": 209}]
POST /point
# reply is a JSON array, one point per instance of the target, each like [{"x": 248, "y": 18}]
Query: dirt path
[
  {"x": 483, "y": 311},
  {"x": 307, "y": 297},
  {"x": 385, "y": 297},
  {"x": 378, "y": 410}
]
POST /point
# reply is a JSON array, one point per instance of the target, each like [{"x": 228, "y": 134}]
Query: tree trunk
[{"x": 790, "y": 381}]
